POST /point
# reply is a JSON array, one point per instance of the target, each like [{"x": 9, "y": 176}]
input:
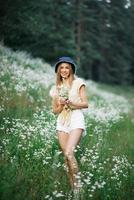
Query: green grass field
[{"x": 32, "y": 165}]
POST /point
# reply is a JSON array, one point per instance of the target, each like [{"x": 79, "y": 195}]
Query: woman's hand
[
  {"x": 57, "y": 105},
  {"x": 62, "y": 100},
  {"x": 68, "y": 102}
]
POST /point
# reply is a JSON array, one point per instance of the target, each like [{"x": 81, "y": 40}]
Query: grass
[{"x": 23, "y": 174}]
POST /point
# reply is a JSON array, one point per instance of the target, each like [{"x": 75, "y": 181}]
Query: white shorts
[{"x": 76, "y": 121}]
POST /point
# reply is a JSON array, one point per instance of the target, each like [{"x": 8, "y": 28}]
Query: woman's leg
[
  {"x": 72, "y": 141},
  {"x": 63, "y": 139}
]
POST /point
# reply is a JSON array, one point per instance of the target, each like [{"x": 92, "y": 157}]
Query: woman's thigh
[
  {"x": 63, "y": 139},
  {"x": 73, "y": 139}
]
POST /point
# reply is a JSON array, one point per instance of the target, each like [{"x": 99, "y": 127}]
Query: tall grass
[{"x": 32, "y": 164}]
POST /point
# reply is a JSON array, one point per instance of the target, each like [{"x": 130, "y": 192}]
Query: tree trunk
[{"x": 78, "y": 30}]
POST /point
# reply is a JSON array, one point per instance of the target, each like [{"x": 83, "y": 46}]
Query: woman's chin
[{"x": 64, "y": 77}]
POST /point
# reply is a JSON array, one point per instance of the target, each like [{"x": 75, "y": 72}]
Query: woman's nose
[{"x": 64, "y": 70}]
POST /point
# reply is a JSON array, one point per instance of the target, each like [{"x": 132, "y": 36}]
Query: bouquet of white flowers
[
  {"x": 66, "y": 112},
  {"x": 63, "y": 92}
]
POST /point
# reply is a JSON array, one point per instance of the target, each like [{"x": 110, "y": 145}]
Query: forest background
[{"x": 98, "y": 34}]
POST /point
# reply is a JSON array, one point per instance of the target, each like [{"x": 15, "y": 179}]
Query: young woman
[{"x": 68, "y": 100}]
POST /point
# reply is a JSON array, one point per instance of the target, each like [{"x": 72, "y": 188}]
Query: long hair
[{"x": 59, "y": 80}]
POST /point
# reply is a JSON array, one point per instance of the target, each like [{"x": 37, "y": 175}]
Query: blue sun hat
[{"x": 65, "y": 59}]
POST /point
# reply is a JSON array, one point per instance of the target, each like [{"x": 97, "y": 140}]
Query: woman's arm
[
  {"x": 57, "y": 106},
  {"x": 83, "y": 97}
]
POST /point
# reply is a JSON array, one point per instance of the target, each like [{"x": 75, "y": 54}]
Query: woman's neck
[{"x": 67, "y": 81}]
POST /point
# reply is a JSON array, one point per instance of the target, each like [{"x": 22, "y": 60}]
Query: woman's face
[{"x": 65, "y": 69}]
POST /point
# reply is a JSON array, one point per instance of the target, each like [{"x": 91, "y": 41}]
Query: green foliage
[{"x": 98, "y": 34}]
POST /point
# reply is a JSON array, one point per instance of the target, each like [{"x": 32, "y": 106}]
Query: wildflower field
[{"x": 31, "y": 163}]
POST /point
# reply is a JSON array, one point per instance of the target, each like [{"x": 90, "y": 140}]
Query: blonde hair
[{"x": 59, "y": 80}]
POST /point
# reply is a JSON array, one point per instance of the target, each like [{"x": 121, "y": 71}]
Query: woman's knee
[{"x": 68, "y": 154}]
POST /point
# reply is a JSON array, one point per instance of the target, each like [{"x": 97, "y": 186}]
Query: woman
[{"x": 68, "y": 100}]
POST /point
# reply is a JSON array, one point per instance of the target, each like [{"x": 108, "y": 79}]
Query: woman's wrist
[{"x": 79, "y": 105}]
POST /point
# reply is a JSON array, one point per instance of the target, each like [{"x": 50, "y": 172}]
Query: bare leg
[
  {"x": 73, "y": 140},
  {"x": 63, "y": 138},
  {"x": 69, "y": 173}
]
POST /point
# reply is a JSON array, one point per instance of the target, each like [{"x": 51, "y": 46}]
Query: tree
[{"x": 98, "y": 34}]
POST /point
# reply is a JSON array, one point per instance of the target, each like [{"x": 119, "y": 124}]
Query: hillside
[{"x": 31, "y": 163}]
